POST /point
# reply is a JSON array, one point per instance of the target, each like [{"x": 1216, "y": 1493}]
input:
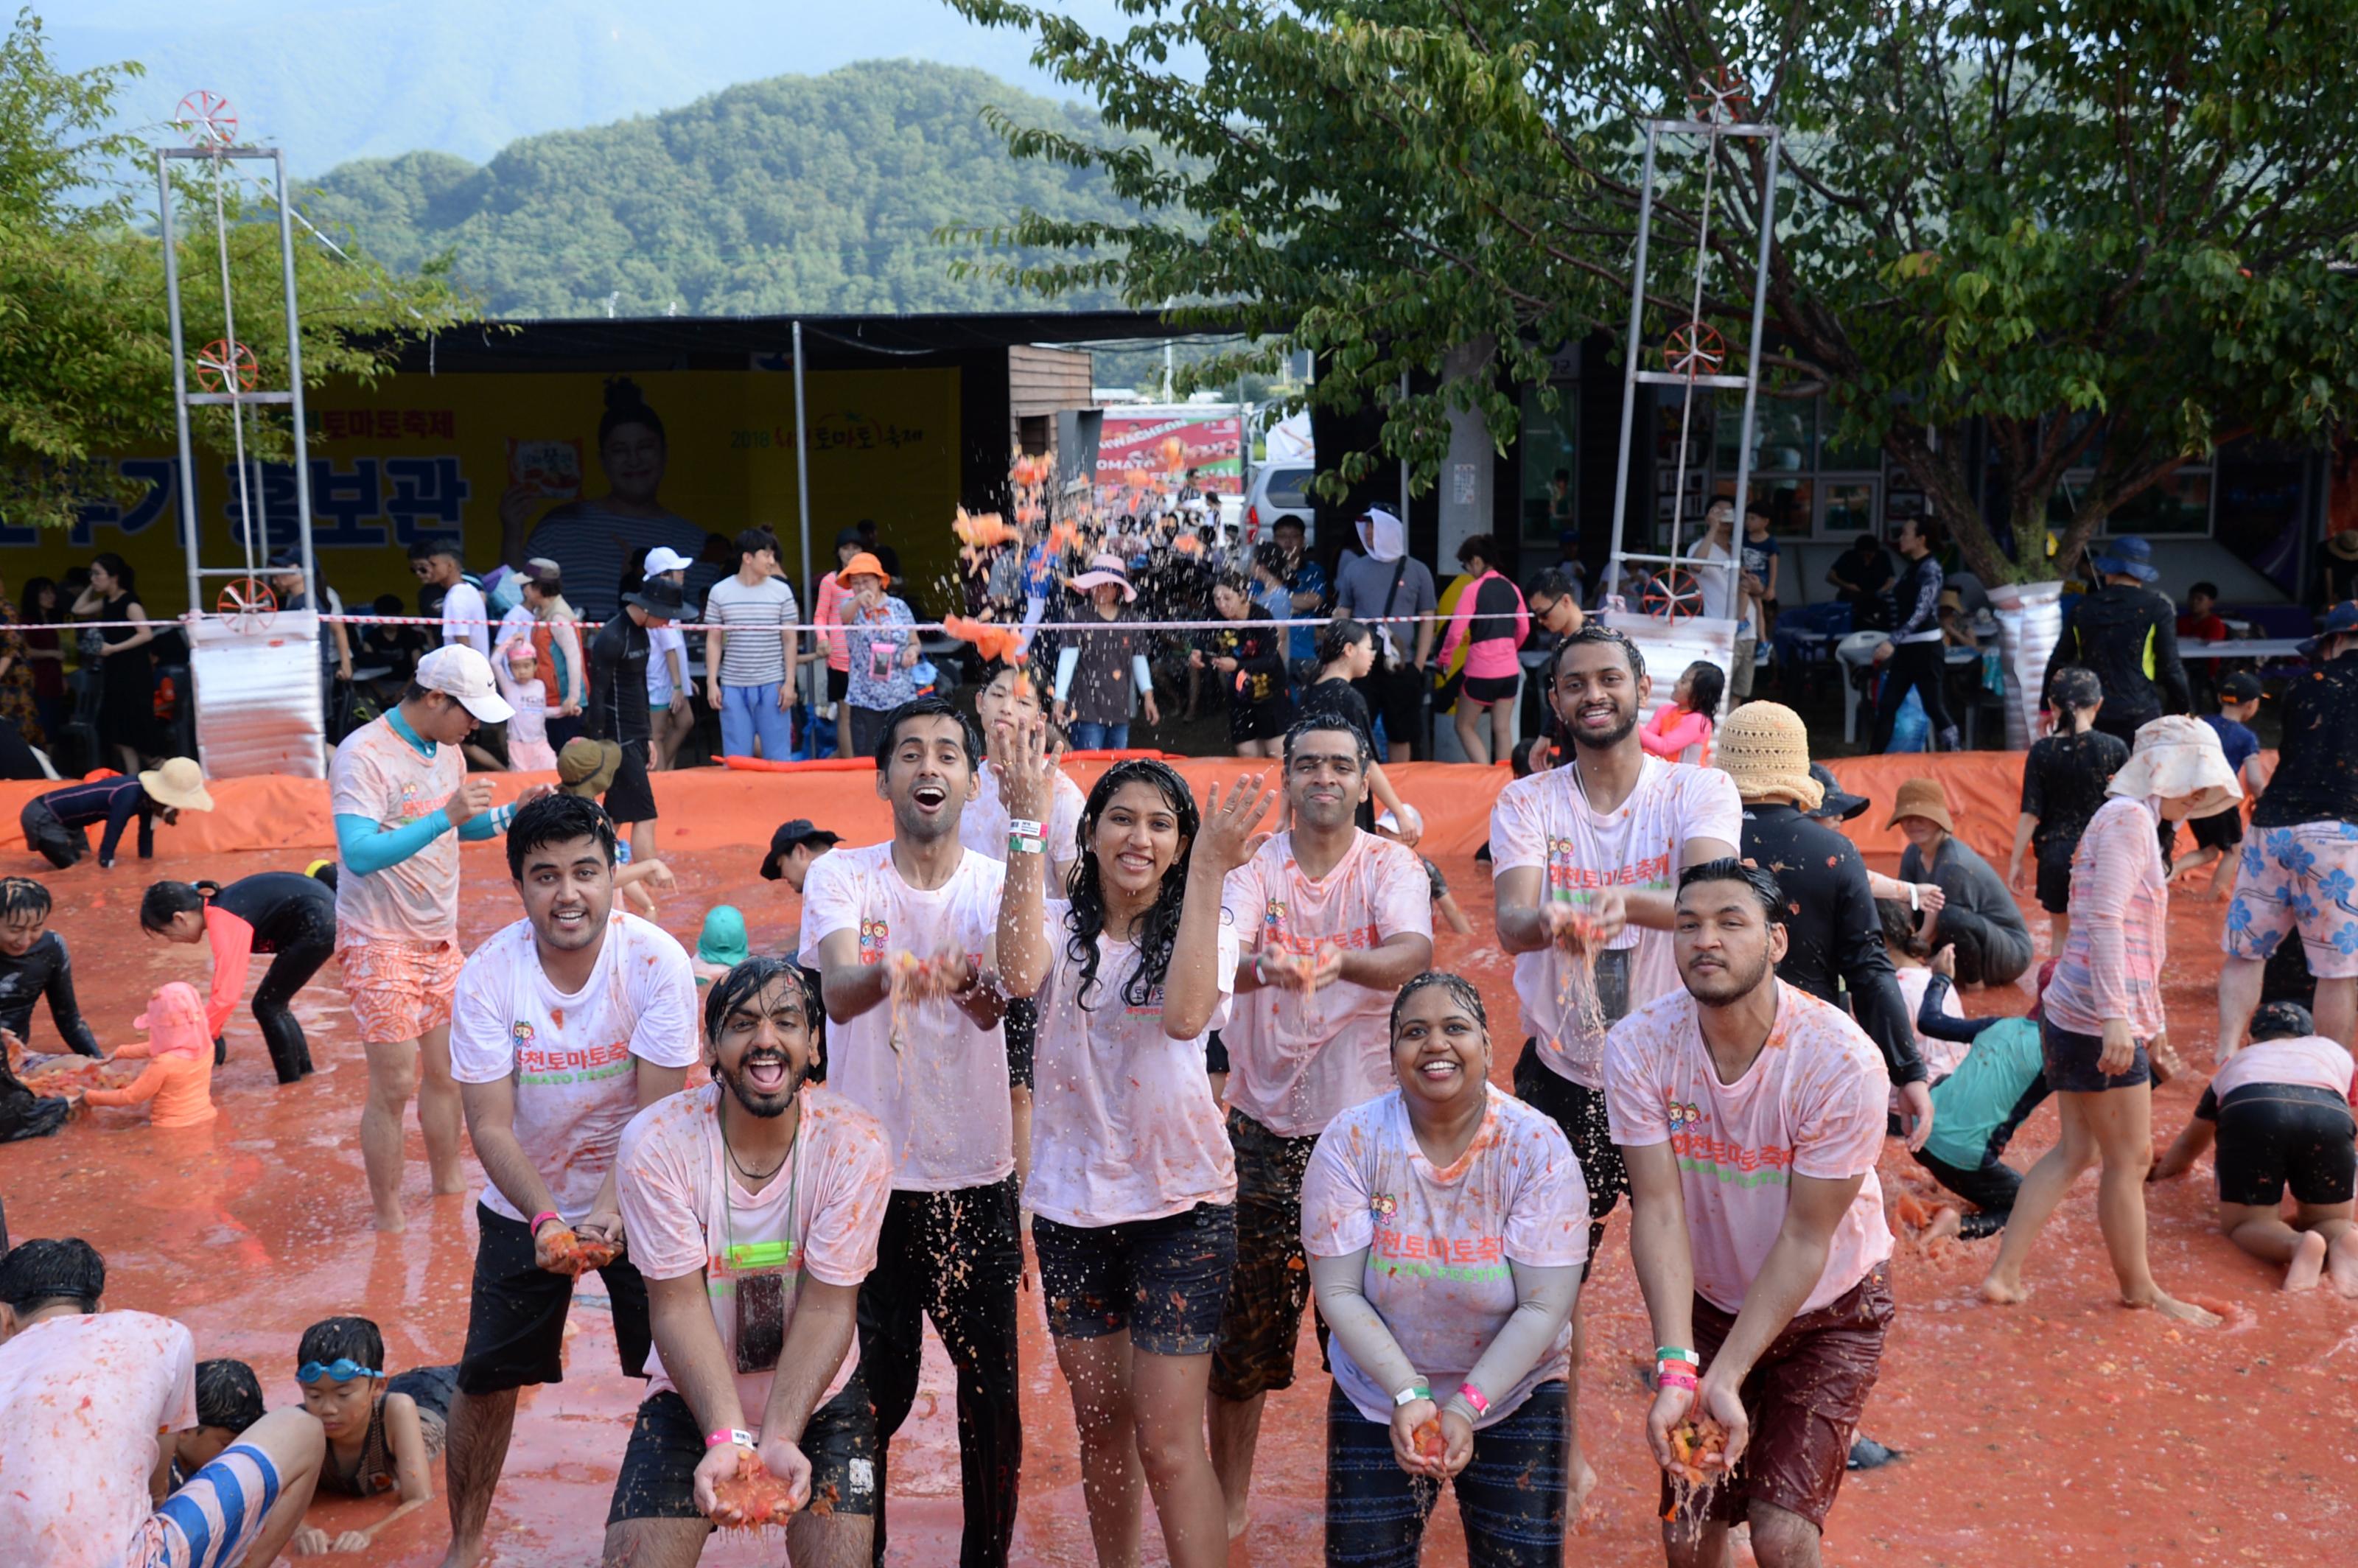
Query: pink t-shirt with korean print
[
  {"x": 83, "y": 1400},
  {"x": 684, "y": 1210},
  {"x": 1439, "y": 1241},
  {"x": 1295, "y": 1063},
  {"x": 378, "y": 774},
  {"x": 1812, "y": 1104},
  {"x": 574, "y": 1057},
  {"x": 942, "y": 1091},
  {"x": 1124, "y": 1126},
  {"x": 1545, "y": 821}
]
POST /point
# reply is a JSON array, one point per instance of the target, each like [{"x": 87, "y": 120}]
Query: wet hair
[
  {"x": 1460, "y": 991},
  {"x": 1159, "y": 932},
  {"x": 747, "y": 980},
  {"x": 2074, "y": 687},
  {"x": 1900, "y": 927},
  {"x": 2282, "y": 1021},
  {"x": 751, "y": 539},
  {"x": 1324, "y": 722},
  {"x": 1485, "y": 546},
  {"x": 37, "y": 1274},
  {"x": 164, "y": 899},
  {"x": 126, "y": 579},
  {"x": 28, "y": 599},
  {"x": 1592, "y": 632},
  {"x": 926, "y": 707},
  {"x": 229, "y": 1395},
  {"x": 626, "y": 405},
  {"x": 439, "y": 544},
  {"x": 22, "y": 897},
  {"x": 1337, "y": 638},
  {"x": 1710, "y": 683},
  {"x": 557, "y": 818},
  {"x": 1551, "y": 583},
  {"x": 1727, "y": 868},
  {"x": 333, "y": 1339}
]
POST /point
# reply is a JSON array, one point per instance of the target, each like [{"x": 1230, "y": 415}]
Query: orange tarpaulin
[{"x": 716, "y": 808}]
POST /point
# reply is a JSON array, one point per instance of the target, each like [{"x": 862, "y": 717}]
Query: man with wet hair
[
  {"x": 755, "y": 1205},
  {"x": 1750, "y": 1116},
  {"x": 904, "y": 936},
  {"x": 567, "y": 1024},
  {"x": 84, "y": 1490}
]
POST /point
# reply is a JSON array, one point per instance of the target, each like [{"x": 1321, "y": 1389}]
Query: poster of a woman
[{"x": 592, "y": 537}]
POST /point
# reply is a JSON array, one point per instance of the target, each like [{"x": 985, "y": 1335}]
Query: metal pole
[
  {"x": 311, "y": 589},
  {"x": 1629, "y": 366},
  {"x": 187, "y": 476},
  {"x": 1403, "y": 465},
  {"x": 1752, "y": 352},
  {"x": 801, "y": 477}
]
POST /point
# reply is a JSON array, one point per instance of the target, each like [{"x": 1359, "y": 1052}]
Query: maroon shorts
[{"x": 1804, "y": 1397}]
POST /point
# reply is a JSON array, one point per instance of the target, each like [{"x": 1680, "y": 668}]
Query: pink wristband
[
  {"x": 737, "y": 1435},
  {"x": 1473, "y": 1396},
  {"x": 543, "y": 1218}
]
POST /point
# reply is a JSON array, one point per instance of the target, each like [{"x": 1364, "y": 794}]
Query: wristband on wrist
[
  {"x": 1028, "y": 829},
  {"x": 736, "y": 1434},
  {"x": 543, "y": 1218},
  {"x": 1474, "y": 1396},
  {"x": 1676, "y": 1353},
  {"x": 1025, "y": 844},
  {"x": 1411, "y": 1394},
  {"x": 1666, "y": 1379}
]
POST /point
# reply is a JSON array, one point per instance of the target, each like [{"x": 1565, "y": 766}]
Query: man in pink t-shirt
[
  {"x": 753, "y": 1207},
  {"x": 87, "y": 1397},
  {"x": 1750, "y": 1116},
  {"x": 1332, "y": 922}
]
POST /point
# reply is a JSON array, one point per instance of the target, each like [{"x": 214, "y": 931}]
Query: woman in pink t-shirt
[
  {"x": 1493, "y": 623},
  {"x": 2280, "y": 1111},
  {"x": 1134, "y": 1183},
  {"x": 2102, "y": 1012},
  {"x": 1445, "y": 1223}
]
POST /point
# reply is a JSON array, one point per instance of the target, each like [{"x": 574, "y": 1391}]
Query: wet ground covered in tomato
[{"x": 2067, "y": 1430}]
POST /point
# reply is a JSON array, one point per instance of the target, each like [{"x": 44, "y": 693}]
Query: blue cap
[
  {"x": 2131, "y": 556},
  {"x": 2340, "y": 621}
]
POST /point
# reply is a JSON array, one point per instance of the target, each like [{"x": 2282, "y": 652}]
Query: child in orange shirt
[{"x": 179, "y": 1073}]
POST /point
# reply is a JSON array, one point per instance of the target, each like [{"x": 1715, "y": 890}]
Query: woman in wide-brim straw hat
[{"x": 2102, "y": 1012}]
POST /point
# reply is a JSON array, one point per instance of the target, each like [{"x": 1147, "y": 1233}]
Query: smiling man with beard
[
  {"x": 1333, "y": 921},
  {"x": 1751, "y": 1115},
  {"x": 904, "y": 934},
  {"x": 753, "y": 1206},
  {"x": 567, "y": 1025},
  {"x": 1586, "y": 855}
]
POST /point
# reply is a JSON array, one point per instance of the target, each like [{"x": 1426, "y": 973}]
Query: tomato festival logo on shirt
[
  {"x": 1565, "y": 873},
  {"x": 875, "y": 934},
  {"x": 1464, "y": 1259},
  {"x": 520, "y": 1034},
  {"x": 573, "y": 1065},
  {"x": 1722, "y": 1158},
  {"x": 1384, "y": 1205}
]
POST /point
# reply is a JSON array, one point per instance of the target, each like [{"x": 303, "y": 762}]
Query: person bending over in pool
[
  {"x": 287, "y": 916},
  {"x": 2279, "y": 1108}
]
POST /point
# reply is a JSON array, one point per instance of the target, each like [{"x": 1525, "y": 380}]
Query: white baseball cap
[
  {"x": 664, "y": 558},
  {"x": 458, "y": 671}
]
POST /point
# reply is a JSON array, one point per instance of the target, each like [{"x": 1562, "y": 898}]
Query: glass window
[
  {"x": 1868, "y": 459},
  {"x": 1850, "y": 508},
  {"x": 1290, "y": 487},
  {"x": 1551, "y": 460}
]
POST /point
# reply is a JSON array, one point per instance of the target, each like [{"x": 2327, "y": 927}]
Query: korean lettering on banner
[
  {"x": 424, "y": 497},
  {"x": 156, "y": 475}
]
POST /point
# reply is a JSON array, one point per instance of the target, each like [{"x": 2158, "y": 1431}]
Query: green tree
[
  {"x": 85, "y": 344},
  {"x": 2115, "y": 233}
]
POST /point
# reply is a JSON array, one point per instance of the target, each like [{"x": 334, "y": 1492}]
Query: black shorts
[
  {"x": 2275, "y": 1135},
  {"x": 515, "y": 1323},
  {"x": 658, "y": 1476},
  {"x": 2055, "y": 886},
  {"x": 1269, "y": 1286},
  {"x": 2072, "y": 1059},
  {"x": 2220, "y": 830},
  {"x": 1165, "y": 1280},
  {"x": 630, "y": 798},
  {"x": 1259, "y": 721},
  {"x": 1216, "y": 1052},
  {"x": 1396, "y": 697},
  {"x": 838, "y": 683},
  {"x": 1490, "y": 688},
  {"x": 1580, "y": 1111}
]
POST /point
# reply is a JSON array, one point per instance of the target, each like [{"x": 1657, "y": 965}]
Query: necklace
[{"x": 729, "y": 1149}]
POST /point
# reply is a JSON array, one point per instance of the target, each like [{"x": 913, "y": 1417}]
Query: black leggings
[
  {"x": 1991, "y": 1189},
  {"x": 289, "y": 972},
  {"x": 1922, "y": 667}
]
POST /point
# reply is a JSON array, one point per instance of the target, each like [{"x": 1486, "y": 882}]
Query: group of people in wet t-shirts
[{"x": 1215, "y": 1065}]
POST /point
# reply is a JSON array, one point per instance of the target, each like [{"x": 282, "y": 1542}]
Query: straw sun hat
[
  {"x": 2176, "y": 757},
  {"x": 177, "y": 782},
  {"x": 1765, "y": 747}
]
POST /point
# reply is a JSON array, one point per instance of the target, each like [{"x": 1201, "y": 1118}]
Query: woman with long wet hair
[{"x": 1133, "y": 1183}]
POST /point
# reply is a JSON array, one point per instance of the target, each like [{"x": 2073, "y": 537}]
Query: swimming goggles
[{"x": 343, "y": 1369}]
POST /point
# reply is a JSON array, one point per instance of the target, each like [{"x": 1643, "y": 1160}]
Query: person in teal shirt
[{"x": 1977, "y": 1108}]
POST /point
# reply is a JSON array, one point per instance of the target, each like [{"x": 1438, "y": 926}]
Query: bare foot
[
  {"x": 2342, "y": 1263},
  {"x": 1945, "y": 1226},
  {"x": 1584, "y": 1481},
  {"x": 2308, "y": 1265},
  {"x": 2178, "y": 1311},
  {"x": 463, "y": 1554},
  {"x": 455, "y": 1183},
  {"x": 392, "y": 1224},
  {"x": 2000, "y": 1292}
]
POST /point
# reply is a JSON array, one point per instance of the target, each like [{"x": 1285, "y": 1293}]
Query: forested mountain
[{"x": 813, "y": 193}]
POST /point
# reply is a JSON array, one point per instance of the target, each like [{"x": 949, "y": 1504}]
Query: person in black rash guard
[
  {"x": 2126, "y": 631},
  {"x": 618, "y": 705},
  {"x": 1912, "y": 653},
  {"x": 33, "y": 963},
  {"x": 53, "y": 823},
  {"x": 285, "y": 914},
  {"x": 2063, "y": 782}
]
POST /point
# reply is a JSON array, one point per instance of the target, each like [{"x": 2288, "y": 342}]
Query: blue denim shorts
[{"x": 1166, "y": 1279}]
